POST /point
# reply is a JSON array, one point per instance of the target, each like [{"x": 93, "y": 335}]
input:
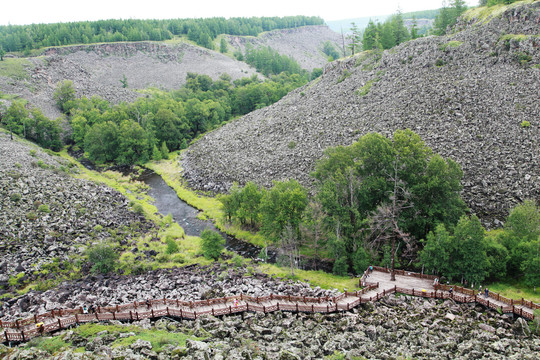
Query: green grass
[
  {"x": 364, "y": 90},
  {"x": 450, "y": 44},
  {"x": 315, "y": 278},
  {"x": 52, "y": 345},
  {"x": 211, "y": 207},
  {"x": 515, "y": 291},
  {"x": 4, "y": 96},
  {"x": 158, "y": 338},
  {"x": 484, "y": 14},
  {"x": 516, "y": 37},
  {"x": 15, "y": 68}
]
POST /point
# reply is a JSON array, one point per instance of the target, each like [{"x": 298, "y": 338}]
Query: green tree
[
  {"x": 355, "y": 38},
  {"x": 469, "y": 258},
  {"x": 250, "y": 200},
  {"x": 231, "y": 202},
  {"x": 282, "y": 205},
  {"x": 156, "y": 154},
  {"x": 223, "y": 46},
  {"x": 212, "y": 244},
  {"x": 414, "y": 29},
  {"x": 63, "y": 94},
  {"x": 435, "y": 256},
  {"x": 371, "y": 37},
  {"x": 330, "y": 51},
  {"x": 314, "y": 228},
  {"x": 521, "y": 228},
  {"x": 531, "y": 264},
  {"x": 164, "y": 151},
  {"x": 2, "y": 53},
  {"x": 124, "y": 81},
  {"x": 102, "y": 257},
  {"x": 498, "y": 257},
  {"x": 101, "y": 142}
]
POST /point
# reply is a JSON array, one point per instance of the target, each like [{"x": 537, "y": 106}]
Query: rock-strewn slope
[
  {"x": 466, "y": 95},
  {"x": 47, "y": 214},
  {"x": 96, "y": 70},
  {"x": 304, "y": 44},
  {"x": 187, "y": 283}
]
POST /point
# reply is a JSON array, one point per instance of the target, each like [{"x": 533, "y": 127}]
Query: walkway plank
[{"x": 378, "y": 285}]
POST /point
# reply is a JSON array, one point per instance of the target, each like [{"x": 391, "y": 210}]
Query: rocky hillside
[
  {"x": 46, "y": 214},
  {"x": 304, "y": 44},
  {"x": 97, "y": 69},
  {"x": 472, "y": 96}
]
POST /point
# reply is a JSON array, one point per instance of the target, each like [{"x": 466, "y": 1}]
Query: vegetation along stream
[{"x": 167, "y": 202}]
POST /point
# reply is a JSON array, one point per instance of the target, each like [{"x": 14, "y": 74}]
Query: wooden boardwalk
[{"x": 377, "y": 284}]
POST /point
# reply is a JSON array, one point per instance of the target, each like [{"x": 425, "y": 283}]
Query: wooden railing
[{"x": 25, "y": 329}]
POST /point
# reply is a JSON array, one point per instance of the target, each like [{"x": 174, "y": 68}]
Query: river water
[{"x": 167, "y": 202}]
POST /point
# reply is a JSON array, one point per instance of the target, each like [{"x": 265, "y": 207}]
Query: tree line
[
  {"x": 384, "y": 35},
  {"x": 390, "y": 202},
  {"x": 152, "y": 126},
  {"x": 30, "y": 123},
  {"x": 201, "y": 31}
]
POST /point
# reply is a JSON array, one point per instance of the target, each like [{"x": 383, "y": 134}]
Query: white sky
[{"x": 17, "y": 12}]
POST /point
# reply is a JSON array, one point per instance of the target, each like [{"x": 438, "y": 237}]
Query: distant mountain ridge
[{"x": 96, "y": 69}]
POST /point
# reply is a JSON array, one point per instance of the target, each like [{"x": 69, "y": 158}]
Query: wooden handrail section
[{"x": 24, "y": 329}]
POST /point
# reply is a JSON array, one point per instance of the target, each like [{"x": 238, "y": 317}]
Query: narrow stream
[{"x": 167, "y": 202}]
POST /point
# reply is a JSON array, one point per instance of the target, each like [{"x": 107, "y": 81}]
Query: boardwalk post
[
  {"x": 213, "y": 311},
  {"x": 296, "y": 307},
  {"x": 312, "y": 308},
  {"x": 77, "y": 318},
  {"x": 114, "y": 315},
  {"x": 152, "y": 311},
  {"x": 181, "y": 313},
  {"x": 59, "y": 324},
  {"x": 22, "y": 333}
]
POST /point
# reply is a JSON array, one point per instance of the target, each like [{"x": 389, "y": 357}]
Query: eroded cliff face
[{"x": 469, "y": 95}]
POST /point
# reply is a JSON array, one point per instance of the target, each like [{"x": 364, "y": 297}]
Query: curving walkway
[{"x": 377, "y": 285}]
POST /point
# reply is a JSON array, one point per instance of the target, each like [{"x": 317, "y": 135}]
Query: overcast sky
[{"x": 17, "y": 12}]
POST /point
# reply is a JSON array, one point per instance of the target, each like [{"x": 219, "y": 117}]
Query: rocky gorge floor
[{"x": 397, "y": 327}]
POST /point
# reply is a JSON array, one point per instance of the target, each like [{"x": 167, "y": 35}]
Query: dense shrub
[
  {"x": 212, "y": 244},
  {"x": 102, "y": 257}
]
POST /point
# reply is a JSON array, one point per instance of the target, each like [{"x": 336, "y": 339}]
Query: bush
[
  {"x": 102, "y": 257},
  {"x": 212, "y": 244},
  {"x": 15, "y": 197},
  {"x": 172, "y": 246},
  {"x": 44, "y": 208},
  {"x": 525, "y": 124},
  {"x": 238, "y": 261},
  {"x": 31, "y": 215},
  {"x": 138, "y": 208}
]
